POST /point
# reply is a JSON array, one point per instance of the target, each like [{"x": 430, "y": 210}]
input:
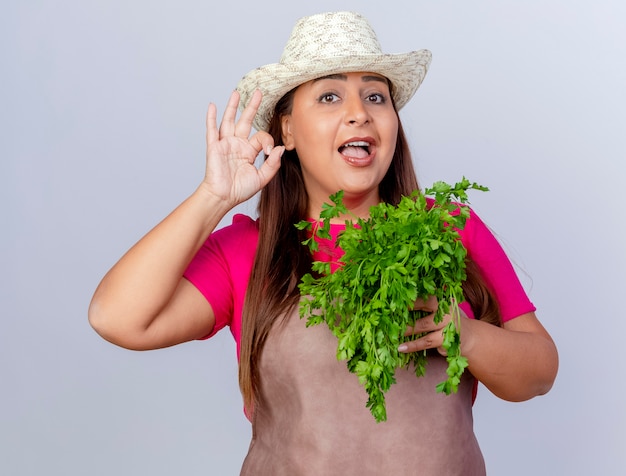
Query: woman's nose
[{"x": 356, "y": 112}]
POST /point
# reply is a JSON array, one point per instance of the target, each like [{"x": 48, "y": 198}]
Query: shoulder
[
  {"x": 474, "y": 229},
  {"x": 477, "y": 237},
  {"x": 231, "y": 245},
  {"x": 240, "y": 223},
  {"x": 243, "y": 229},
  {"x": 226, "y": 258}
]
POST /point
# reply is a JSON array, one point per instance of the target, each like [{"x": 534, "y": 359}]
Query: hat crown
[{"x": 330, "y": 35}]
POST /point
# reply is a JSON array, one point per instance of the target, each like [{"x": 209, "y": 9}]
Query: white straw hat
[{"x": 329, "y": 43}]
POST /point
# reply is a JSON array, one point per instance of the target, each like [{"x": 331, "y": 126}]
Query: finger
[
  {"x": 431, "y": 304},
  {"x": 432, "y": 340},
  {"x": 227, "y": 126},
  {"x": 262, "y": 141},
  {"x": 427, "y": 324},
  {"x": 211, "y": 125},
  {"x": 244, "y": 125},
  {"x": 271, "y": 165}
]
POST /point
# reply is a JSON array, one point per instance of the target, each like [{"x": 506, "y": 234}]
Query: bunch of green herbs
[{"x": 397, "y": 255}]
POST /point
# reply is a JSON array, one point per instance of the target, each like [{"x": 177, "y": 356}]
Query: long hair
[{"x": 281, "y": 260}]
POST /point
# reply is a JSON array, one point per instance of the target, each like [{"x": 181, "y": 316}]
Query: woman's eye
[
  {"x": 376, "y": 98},
  {"x": 328, "y": 97}
]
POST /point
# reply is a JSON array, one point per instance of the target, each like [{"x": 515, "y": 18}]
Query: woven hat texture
[{"x": 329, "y": 43}]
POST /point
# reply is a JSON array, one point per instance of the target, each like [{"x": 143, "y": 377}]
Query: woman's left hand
[
  {"x": 430, "y": 333},
  {"x": 515, "y": 362}
]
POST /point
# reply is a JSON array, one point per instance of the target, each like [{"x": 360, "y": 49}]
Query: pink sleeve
[
  {"x": 496, "y": 268},
  {"x": 221, "y": 271}
]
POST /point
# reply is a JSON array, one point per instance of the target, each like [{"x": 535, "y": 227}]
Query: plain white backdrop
[{"x": 102, "y": 108}]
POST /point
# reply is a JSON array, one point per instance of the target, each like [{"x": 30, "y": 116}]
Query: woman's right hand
[{"x": 231, "y": 174}]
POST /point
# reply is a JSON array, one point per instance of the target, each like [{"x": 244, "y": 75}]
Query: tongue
[{"x": 356, "y": 152}]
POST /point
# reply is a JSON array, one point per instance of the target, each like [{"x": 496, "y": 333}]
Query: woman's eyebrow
[
  {"x": 343, "y": 77},
  {"x": 374, "y": 78}
]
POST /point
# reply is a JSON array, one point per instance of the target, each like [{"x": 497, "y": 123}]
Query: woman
[{"x": 327, "y": 120}]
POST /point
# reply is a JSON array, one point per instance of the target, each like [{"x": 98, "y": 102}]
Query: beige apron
[{"x": 312, "y": 418}]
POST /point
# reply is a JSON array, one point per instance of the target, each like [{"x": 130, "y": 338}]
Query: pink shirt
[{"x": 221, "y": 270}]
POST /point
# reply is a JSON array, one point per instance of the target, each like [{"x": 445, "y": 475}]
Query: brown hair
[{"x": 281, "y": 260}]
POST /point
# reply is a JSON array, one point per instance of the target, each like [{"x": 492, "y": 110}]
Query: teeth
[{"x": 359, "y": 143}]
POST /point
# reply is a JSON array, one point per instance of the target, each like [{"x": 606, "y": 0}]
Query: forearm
[
  {"x": 143, "y": 281},
  {"x": 517, "y": 362}
]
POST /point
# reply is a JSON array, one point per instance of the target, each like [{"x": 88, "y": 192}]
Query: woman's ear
[{"x": 285, "y": 123}]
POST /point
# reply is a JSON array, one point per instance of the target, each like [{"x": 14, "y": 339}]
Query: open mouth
[{"x": 357, "y": 149}]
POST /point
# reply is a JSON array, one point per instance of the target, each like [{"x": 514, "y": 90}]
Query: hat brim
[{"x": 406, "y": 72}]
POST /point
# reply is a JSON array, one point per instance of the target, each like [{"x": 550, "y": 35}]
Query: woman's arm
[
  {"x": 516, "y": 362},
  {"x": 144, "y": 302}
]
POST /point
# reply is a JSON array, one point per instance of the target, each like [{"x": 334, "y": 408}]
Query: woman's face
[{"x": 344, "y": 128}]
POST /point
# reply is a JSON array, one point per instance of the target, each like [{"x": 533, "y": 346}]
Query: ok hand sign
[{"x": 231, "y": 174}]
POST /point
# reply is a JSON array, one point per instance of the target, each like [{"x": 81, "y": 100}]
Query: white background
[{"x": 102, "y": 109}]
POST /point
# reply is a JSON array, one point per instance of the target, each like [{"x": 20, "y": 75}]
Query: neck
[{"x": 358, "y": 206}]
